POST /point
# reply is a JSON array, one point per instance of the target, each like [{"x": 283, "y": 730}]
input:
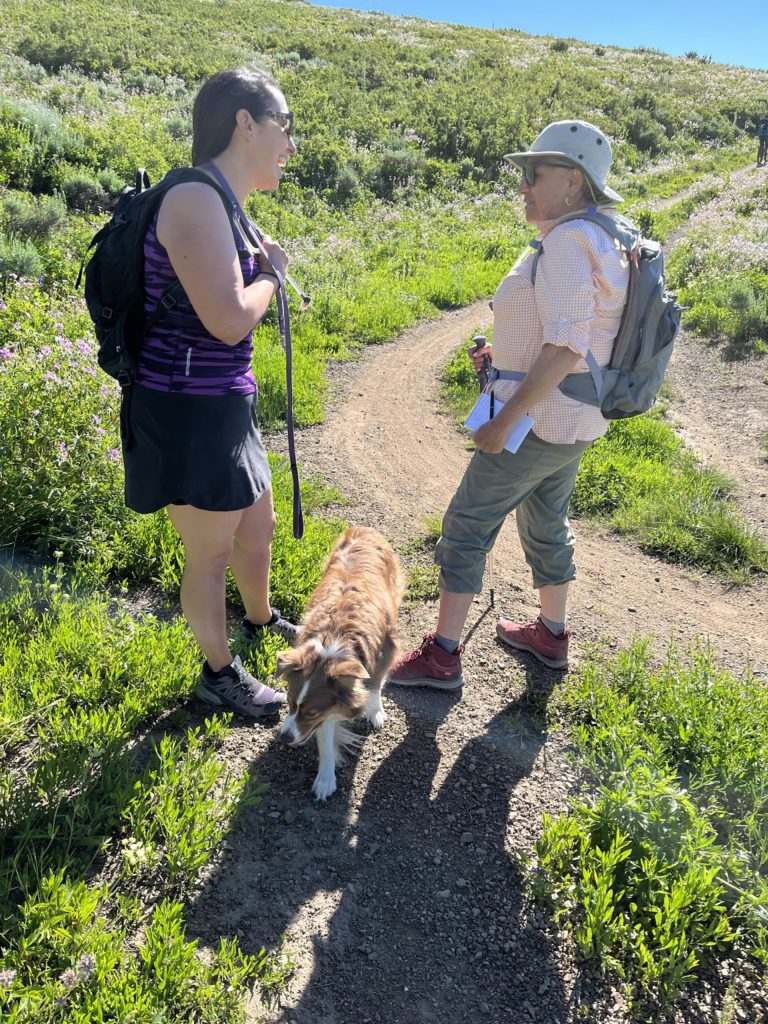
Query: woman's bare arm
[{"x": 195, "y": 229}]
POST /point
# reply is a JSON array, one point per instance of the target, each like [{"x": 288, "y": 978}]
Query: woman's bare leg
[
  {"x": 251, "y": 556},
  {"x": 208, "y": 543},
  {"x": 554, "y": 600},
  {"x": 453, "y": 614}
]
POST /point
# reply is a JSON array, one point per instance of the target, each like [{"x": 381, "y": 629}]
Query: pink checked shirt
[{"x": 581, "y": 287}]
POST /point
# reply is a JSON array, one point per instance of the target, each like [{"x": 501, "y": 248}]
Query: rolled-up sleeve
[{"x": 565, "y": 289}]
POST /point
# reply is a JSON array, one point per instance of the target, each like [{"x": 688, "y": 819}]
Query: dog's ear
[
  {"x": 289, "y": 661},
  {"x": 349, "y": 667}
]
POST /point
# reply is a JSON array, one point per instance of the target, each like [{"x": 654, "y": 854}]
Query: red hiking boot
[
  {"x": 429, "y": 665},
  {"x": 537, "y": 640}
]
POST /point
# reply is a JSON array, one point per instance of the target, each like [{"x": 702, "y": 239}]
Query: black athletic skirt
[{"x": 197, "y": 450}]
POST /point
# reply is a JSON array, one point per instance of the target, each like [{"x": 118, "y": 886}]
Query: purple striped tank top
[{"x": 179, "y": 354}]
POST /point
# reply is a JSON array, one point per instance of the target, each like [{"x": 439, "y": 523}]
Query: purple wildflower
[
  {"x": 6, "y": 353},
  {"x": 69, "y": 978},
  {"x": 6, "y": 978},
  {"x": 114, "y": 454},
  {"x": 86, "y": 966}
]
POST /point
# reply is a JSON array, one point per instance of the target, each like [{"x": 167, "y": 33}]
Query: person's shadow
[{"x": 430, "y": 920}]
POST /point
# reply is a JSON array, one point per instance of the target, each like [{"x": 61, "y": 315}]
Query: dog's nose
[{"x": 287, "y": 731}]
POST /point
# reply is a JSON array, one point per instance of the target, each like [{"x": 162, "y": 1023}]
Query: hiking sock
[
  {"x": 449, "y": 646},
  {"x": 209, "y": 671},
  {"x": 555, "y": 628},
  {"x": 263, "y": 625}
]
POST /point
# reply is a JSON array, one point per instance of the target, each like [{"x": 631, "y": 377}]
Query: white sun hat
[{"x": 583, "y": 145}]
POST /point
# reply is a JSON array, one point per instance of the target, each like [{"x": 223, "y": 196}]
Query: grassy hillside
[
  {"x": 396, "y": 207},
  {"x": 377, "y": 97}
]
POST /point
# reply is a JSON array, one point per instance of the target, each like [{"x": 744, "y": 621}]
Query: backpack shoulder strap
[
  {"x": 623, "y": 230},
  {"x": 175, "y": 293},
  {"x": 185, "y": 175}
]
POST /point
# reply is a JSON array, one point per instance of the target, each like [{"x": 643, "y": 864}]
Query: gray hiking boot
[
  {"x": 232, "y": 687},
  {"x": 277, "y": 624}
]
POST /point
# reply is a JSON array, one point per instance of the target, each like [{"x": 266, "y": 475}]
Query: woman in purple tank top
[{"x": 195, "y": 449}]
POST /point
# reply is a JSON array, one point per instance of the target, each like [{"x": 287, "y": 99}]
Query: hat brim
[{"x": 604, "y": 194}]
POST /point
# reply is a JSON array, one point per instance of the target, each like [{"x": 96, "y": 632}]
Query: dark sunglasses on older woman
[
  {"x": 283, "y": 117},
  {"x": 529, "y": 171}
]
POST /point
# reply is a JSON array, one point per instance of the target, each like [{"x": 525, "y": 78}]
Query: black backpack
[{"x": 114, "y": 274}]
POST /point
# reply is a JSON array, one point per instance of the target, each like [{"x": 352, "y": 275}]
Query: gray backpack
[{"x": 649, "y": 325}]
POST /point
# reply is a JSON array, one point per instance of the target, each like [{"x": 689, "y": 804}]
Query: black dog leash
[{"x": 253, "y": 236}]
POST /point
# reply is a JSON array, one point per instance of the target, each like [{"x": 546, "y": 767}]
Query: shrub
[
  {"x": 18, "y": 259},
  {"x": 178, "y": 127},
  {"x": 16, "y": 154},
  {"x": 110, "y": 182},
  {"x": 36, "y": 219},
  {"x": 645, "y": 221},
  {"x": 396, "y": 167},
  {"x": 731, "y": 306},
  {"x": 83, "y": 192},
  {"x": 645, "y": 133},
  {"x": 347, "y": 182}
]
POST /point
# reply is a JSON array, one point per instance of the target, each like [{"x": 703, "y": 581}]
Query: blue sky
[{"x": 734, "y": 32}]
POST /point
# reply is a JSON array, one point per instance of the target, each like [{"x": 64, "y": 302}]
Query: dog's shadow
[{"x": 413, "y": 899}]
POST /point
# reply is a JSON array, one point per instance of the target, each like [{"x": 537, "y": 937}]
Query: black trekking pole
[{"x": 483, "y": 376}]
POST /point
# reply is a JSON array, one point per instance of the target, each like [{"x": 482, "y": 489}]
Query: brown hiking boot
[
  {"x": 537, "y": 640},
  {"x": 429, "y": 665}
]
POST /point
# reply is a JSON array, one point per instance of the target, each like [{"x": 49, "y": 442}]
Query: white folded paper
[{"x": 481, "y": 413}]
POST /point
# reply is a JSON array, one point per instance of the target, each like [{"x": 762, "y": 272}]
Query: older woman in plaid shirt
[{"x": 543, "y": 333}]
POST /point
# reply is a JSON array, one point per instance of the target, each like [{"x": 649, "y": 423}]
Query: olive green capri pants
[{"x": 537, "y": 481}]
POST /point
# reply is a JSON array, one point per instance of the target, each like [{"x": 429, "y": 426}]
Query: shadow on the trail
[{"x": 416, "y": 909}]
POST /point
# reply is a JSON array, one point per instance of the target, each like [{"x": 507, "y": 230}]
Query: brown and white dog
[{"x": 346, "y": 644}]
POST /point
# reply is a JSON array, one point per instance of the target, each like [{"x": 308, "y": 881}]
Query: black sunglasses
[
  {"x": 529, "y": 171},
  {"x": 283, "y": 117}
]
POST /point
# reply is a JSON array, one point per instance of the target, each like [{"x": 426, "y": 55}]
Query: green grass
[
  {"x": 421, "y": 584},
  {"x": 643, "y": 481},
  {"x": 721, "y": 273},
  {"x": 660, "y": 224},
  {"x": 660, "y": 868},
  {"x": 109, "y": 809}
]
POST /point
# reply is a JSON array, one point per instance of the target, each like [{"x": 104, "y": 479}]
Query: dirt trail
[
  {"x": 399, "y": 897},
  {"x": 397, "y": 458}
]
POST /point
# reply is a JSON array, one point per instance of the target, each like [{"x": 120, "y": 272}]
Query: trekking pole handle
[
  {"x": 305, "y": 299},
  {"x": 484, "y": 373}
]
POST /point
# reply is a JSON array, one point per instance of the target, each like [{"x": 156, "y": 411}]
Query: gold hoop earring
[{"x": 568, "y": 201}]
